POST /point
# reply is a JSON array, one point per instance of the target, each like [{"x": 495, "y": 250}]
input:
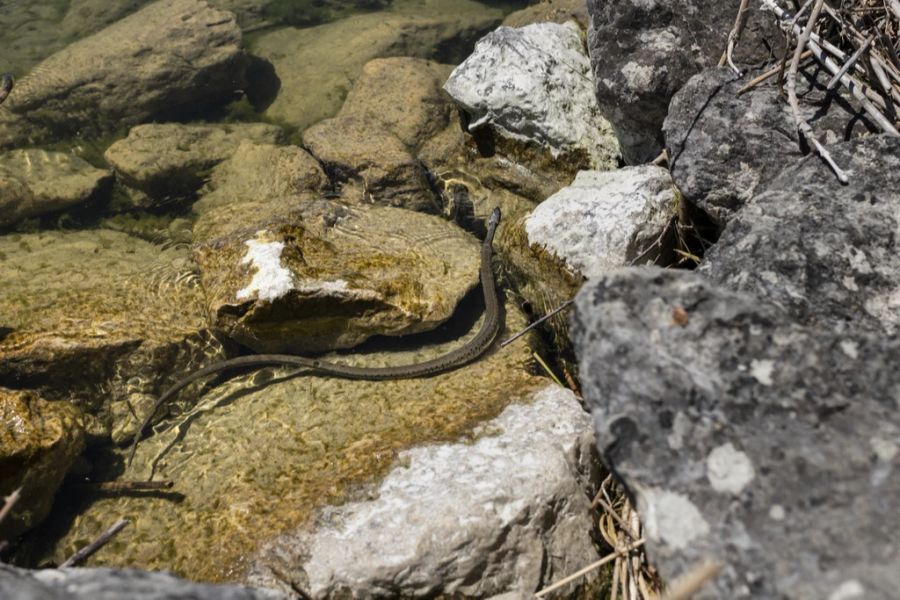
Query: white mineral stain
[
  {"x": 671, "y": 517},
  {"x": 850, "y": 348},
  {"x": 848, "y": 590},
  {"x": 776, "y": 512},
  {"x": 271, "y": 280},
  {"x": 729, "y": 470},
  {"x": 762, "y": 371}
]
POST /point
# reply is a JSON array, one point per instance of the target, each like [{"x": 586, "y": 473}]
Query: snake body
[
  {"x": 459, "y": 357},
  {"x": 7, "y": 81}
]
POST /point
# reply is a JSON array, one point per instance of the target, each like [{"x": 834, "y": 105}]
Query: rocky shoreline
[{"x": 743, "y": 397}]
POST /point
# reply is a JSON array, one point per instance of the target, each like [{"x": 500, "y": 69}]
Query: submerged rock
[
  {"x": 169, "y": 56},
  {"x": 256, "y": 457},
  {"x": 325, "y": 276},
  {"x": 35, "y": 182},
  {"x": 505, "y": 513},
  {"x": 328, "y": 59},
  {"x": 159, "y": 162},
  {"x": 643, "y": 51},
  {"x": 557, "y": 11},
  {"x": 85, "y": 309},
  {"x": 115, "y": 584},
  {"x": 39, "y": 441},
  {"x": 531, "y": 86},
  {"x": 767, "y": 446}
]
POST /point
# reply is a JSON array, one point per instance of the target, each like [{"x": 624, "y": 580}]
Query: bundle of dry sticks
[{"x": 857, "y": 41}]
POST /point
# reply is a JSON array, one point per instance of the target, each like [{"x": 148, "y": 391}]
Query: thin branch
[
  {"x": 10, "y": 502},
  {"x": 549, "y": 315},
  {"x": 689, "y": 584},
  {"x": 591, "y": 567},
  {"x": 89, "y": 550},
  {"x": 836, "y": 79}
]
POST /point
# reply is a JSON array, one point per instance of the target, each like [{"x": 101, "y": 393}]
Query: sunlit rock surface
[
  {"x": 504, "y": 513},
  {"x": 39, "y": 441},
  {"x": 36, "y": 182}
]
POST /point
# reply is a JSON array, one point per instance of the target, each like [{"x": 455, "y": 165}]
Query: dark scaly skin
[
  {"x": 454, "y": 359},
  {"x": 7, "y": 81}
]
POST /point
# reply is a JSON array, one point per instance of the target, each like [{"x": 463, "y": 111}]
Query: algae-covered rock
[
  {"x": 328, "y": 58},
  {"x": 324, "y": 275},
  {"x": 166, "y": 160},
  {"x": 36, "y": 182},
  {"x": 39, "y": 441},
  {"x": 170, "y": 55},
  {"x": 86, "y": 309},
  {"x": 378, "y": 162},
  {"x": 249, "y": 463}
]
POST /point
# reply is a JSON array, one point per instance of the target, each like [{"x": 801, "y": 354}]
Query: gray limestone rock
[
  {"x": 506, "y": 513},
  {"x": 769, "y": 446},
  {"x": 115, "y": 584},
  {"x": 820, "y": 250},
  {"x": 531, "y": 85},
  {"x": 170, "y": 55},
  {"x": 643, "y": 51},
  {"x": 170, "y": 160},
  {"x": 605, "y": 219},
  {"x": 37, "y": 182},
  {"x": 724, "y": 148}
]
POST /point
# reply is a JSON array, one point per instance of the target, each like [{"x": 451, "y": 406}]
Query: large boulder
[
  {"x": 530, "y": 87},
  {"x": 36, "y": 182},
  {"x": 39, "y": 441},
  {"x": 643, "y": 51},
  {"x": 160, "y": 162},
  {"x": 745, "y": 438},
  {"x": 506, "y": 513},
  {"x": 823, "y": 251},
  {"x": 171, "y": 55},
  {"x": 724, "y": 148}
]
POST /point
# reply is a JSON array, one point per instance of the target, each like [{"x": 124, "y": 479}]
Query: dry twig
[
  {"x": 89, "y": 550},
  {"x": 10, "y": 503}
]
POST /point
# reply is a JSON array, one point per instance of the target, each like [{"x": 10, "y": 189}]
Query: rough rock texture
[
  {"x": 310, "y": 281},
  {"x": 605, "y": 219},
  {"x": 504, "y": 514},
  {"x": 253, "y": 456},
  {"x": 39, "y": 441},
  {"x": 557, "y": 11},
  {"x": 724, "y": 148},
  {"x": 159, "y": 162},
  {"x": 171, "y": 55},
  {"x": 82, "y": 309},
  {"x": 115, "y": 584},
  {"x": 766, "y": 445},
  {"x": 643, "y": 51},
  {"x": 532, "y": 86},
  {"x": 328, "y": 58},
  {"x": 384, "y": 170},
  {"x": 36, "y": 182},
  {"x": 824, "y": 252}
]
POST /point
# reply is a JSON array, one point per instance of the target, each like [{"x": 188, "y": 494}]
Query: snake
[
  {"x": 7, "y": 81},
  {"x": 464, "y": 355}
]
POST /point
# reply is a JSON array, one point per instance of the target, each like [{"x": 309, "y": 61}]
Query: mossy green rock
[
  {"x": 35, "y": 182},
  {"x": 170, "y": 160},
  {"x": 39, "y": 441}
]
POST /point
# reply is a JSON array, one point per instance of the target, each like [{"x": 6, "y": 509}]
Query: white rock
[
  {"x": 503, "y": 515},
  {"x": 604, "y": 219},
  {"x": 534, "y": 83}
]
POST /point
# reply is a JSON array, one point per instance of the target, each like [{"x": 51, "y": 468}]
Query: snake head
[{"x": 495, "y": 217}]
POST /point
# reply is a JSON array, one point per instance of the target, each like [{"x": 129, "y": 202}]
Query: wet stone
[
  {"x": 166, "y": 161},
  {"x": 95, "y": 316},
  {"x": 256, "y": 456},
  {"x": 328, "y": 276},
  {"x": 35, "y": 182},
  {"x": 39, "y": 441}
]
